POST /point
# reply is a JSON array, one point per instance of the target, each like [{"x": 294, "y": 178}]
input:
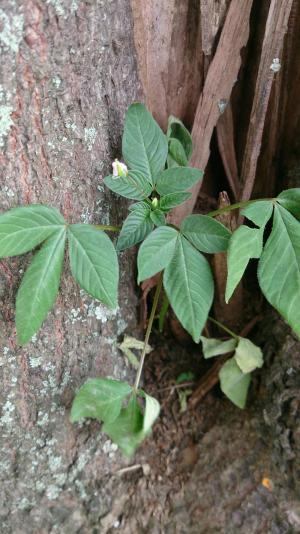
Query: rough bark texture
[
  {"x": 68, "y": 73},
  {"x": 169, "y": 51},
  {"x": 221, "y": 77}
]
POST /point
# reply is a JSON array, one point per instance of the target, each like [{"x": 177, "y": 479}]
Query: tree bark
[
  {"x": 68, "y": 73},
  {"x": 69, "y": 69}
]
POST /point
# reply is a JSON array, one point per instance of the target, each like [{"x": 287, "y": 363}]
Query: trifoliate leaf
[
  {"x": 22, "y": 229},
  {"x": 189, "y": 286},
  {"x": 138, "y": 205},
  {"x": 144, "y": 145},
  {"x": 135, "y": 228},
  {"x": 177, "y": 130},
  {"x": 177, "y": 179},
  {"x": 259, "y": 212},
  {"x": 127, "y": 430},
  {"x": 94, "y": 262},
  {"x": 173, "y": 199},
  {"x": 290, "y": 200},
  {"x": 248, "y": 356},
  {"x": 215, "y": 347},
  {"x": 176, "y": 156},
  {"x": 39, "y": 287},
  {"x": 205, "y": 233},
  {"x": 100, "y": 398},
  {"x": 234, "y": 383},
  {"x": 151, "y": 413},
  {"x": 158, "y": 217},
  {"x": 134, "y": 185},
  {"x": 245, "y": 243},
  {"x": 279, "y": 267},
  {"x": 156, "y": 252}
]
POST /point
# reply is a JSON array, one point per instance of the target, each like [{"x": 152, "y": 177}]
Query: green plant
[{"x": 157, "y": 179}]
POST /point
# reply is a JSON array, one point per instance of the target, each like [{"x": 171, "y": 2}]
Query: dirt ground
[{"x": 214, "y": 468}]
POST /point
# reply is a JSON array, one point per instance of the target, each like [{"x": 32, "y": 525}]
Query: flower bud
[
  {"x": 155, "y": 202},
  {"x": 119, "y": 168}
]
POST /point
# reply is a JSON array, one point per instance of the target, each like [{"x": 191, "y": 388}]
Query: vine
[{"x": 157, "y": 177}]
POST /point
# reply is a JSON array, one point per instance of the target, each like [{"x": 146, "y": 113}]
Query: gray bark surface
[
  {"x": 67, "y": 76},
  {"x": 68, "y": 73}
]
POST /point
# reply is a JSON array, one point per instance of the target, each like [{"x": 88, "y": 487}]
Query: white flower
[{"x": 119, "y": 168}]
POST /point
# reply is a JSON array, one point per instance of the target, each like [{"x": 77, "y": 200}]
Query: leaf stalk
[{"x": 148, "y": 332}]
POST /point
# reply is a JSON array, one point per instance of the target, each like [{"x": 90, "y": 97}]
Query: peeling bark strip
[
  {"x": 276, "y": 28},
  {"x": 212, "y": 19},
  {"x": 221, "y": 77},
  {"x": 212, "y": 16},
  {"x": 225, "y": 135},
  {"x": 168, "y": 44}
]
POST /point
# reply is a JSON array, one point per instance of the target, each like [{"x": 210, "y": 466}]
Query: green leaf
[
  {"x": 290, "y": 200},
  {"x": 259, "y": 212},
  {"x": 158, "y": 217},
  {"x": 100, "y": 398},
  {"x": 144, "y": 145},
  {"x": 205, "y": 233},
  {"x": 177, "y": 130},
  {"x": 156, "y": 252},
  {"x": 38, "y": 290},
  {"x": 173, "y": 199},
  {"x": 248, "y": 356},
  {"x": 134, "y": 185},
  {"x": 215, "y": 347},
  {"x": 245, "y": 243},
  {"x": 234, "y": 383},
  {"x": 138, "y": 205},
  {"x": 279, "y": 267},
  {"x": 177, "y": 179},
  {"x": 176, "y": 155},
  {"x": 127, "y": 430},
  {"x": 189, "y": 286},
  {"x": 22, "y": 229},
  {"x": 135, "y": 228},
  {"x": 151, "y": 413},
  {"x": 94, "y": 262},
  {"x": 187, "y": 376}
]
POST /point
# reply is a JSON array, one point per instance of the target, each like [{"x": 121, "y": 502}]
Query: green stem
[
  {"x": 220, "y": 325},
  {"x": 236, "y": 206},
  {"x": 107, "y": 227},
  {"x": 148, "y": 332}
]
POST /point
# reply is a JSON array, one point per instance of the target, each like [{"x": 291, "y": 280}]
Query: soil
[{"x": 214, "y": 468}]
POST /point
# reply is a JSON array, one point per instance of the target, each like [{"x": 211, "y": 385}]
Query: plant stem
[
  {"x": 148, "y": 332},
  {"x": 236, "y": 206},
  {"x": 220, "y": 325},
  {"x": 107, "y": 227}
]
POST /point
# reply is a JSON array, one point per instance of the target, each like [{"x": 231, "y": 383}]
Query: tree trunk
[
  {"x": 69, "y": 69},
  {"x": 68, "y": 73}
]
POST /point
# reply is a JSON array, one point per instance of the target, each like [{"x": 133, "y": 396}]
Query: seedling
[{"x": 156, "y": 176}]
